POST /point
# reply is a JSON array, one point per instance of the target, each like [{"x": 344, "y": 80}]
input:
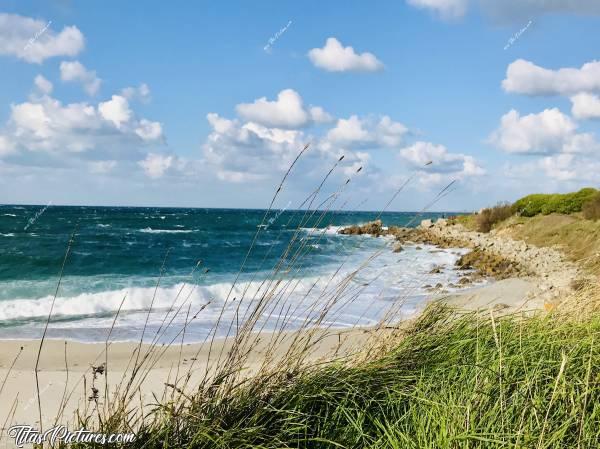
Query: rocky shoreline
[{"x": 490, "y": 256}]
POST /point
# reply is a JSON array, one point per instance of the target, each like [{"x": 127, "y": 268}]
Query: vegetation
[
  {"x": 591, "y": 209},
  {"x": 487, "y": 218},
  {"x": 545, "y": 204},
  {"x": 578, "y": 239},
  {"x": 451, "y": 382}
]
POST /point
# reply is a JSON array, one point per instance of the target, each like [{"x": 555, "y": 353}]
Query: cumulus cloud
[
  {"x": 447, "y": 9},
  {"x": 357, "y": 132},
  {"x": 549, "y": 131},
  {"x": 524, "y": 77},
  {"x": 43, "y": 85},
  {"x": 75, "y": 71},
  {"x": 45, "y": 125},
  {"x": 115, "y": 110},
  {"x": 248, "y": 152},
  {"x": 586, "y": 106},
  {"x": 334, "y": 57},
  {"x": 155, "y": 165},
  {"x": 34, "y": 40},
  {"x": 148, "y": 130},
  {"x": 437, "y": 161},
  {"x": 287, "y": 111},
  {"x": 140, "y": 93}
]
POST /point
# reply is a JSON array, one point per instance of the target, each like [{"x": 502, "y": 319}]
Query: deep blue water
[{"x": 121, "y": 250}]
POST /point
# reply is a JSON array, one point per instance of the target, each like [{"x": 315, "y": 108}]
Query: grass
[
  {"x": 577, "y": 238},
  {"x": 451, "y": 381},
  {"x": 591, "y": 209}
]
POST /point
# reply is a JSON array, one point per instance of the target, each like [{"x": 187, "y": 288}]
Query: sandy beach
[{"x": 69, "y": 389}]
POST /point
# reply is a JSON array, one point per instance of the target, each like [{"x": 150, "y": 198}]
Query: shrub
[
  {"x": 591, "y": 208},
  {"x": 487, "y": 218},
  {"x": 540, "y": 203}
]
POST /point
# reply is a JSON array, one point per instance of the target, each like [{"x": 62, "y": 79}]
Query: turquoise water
[{"x": 120, "y": 251}]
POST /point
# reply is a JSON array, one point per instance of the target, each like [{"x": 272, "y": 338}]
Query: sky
[{"x": 208, "y": 104}]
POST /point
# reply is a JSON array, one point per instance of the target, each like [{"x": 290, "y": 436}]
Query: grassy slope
[
  {"x": 452, "y": 382},
  {"x": 578, "y": 238}
]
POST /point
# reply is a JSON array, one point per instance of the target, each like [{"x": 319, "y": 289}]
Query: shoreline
[{"x": 19, "y": 401}]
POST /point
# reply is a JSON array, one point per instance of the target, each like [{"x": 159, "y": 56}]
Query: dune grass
[{"x": 450, "y": 381}]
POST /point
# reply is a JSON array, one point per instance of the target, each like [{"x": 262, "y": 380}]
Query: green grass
[
  {"x": 545, "y": 204},
  {"x": 452, "y": 381}
]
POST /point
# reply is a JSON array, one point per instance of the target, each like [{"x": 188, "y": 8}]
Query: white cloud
[
  {"x": 455, "y": 165},
  {"x": 140, "y": 93},
  {"x": 6, "y": 146},
  {"x": 447, "y": 9},
  {"x": 102, "y": 167},
  {"x": 524, "y": 77},
  {"x": 586, "y": 106},
  {"x": 334, "y": 57},
  {"x": 155, "y": 165},
  {"x": 43, "y": 85},
  {"x": 549, "y": 131},
  {"x": 357, "y": 132},
  {"x": 559, "y": 167},
  {"x": 286, "y": 112},
  {"x": 75, "y": 71},
  {"x": 148, "y": 130},
  {"x": 45, "y": 125},
  {"x": 508, "y": 10},
  {"x": 515, "y": 10},
  {"x": 115, "y": 110},
  {"x": 34, "y": 40},
  {"x": 348, "y": 131},
  {"x": 319, "y": 115},
  {"x": 248, "y": 152}
]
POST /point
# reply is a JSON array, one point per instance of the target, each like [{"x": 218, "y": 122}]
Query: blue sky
[{"x": 115, "y": 103}]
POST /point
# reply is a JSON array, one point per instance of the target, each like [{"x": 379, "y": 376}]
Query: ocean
[{"x": 138, "y": 259}]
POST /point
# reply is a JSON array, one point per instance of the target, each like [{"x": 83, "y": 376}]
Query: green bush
[{"x": 540, "y": 203}]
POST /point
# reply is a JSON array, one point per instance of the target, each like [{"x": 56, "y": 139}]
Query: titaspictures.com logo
[{"x": 25, "y": 434}]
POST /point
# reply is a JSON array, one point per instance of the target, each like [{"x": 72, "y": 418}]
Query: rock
[
  {"x": 373, "y": 228},
  {"x": 398, "y": 248},
  {"x": 441, "y": 222},
  {"x": 418, "y": 248},
  {"x": 425, "y": 224},
  {"x": 436, "y": 270}
]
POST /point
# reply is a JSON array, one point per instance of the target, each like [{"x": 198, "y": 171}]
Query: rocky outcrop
[
  {"x": 502, "y": 257},
  {"x": 491, "y": 255},
  {"x": 374, "y": 228}
]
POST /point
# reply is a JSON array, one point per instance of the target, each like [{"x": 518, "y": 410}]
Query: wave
[
  {"x": 9, "y": 215},
  {"x": 329, "y": 230},
  {"x": 10, "y": 234},
  {"x": 166, "y": 231}
]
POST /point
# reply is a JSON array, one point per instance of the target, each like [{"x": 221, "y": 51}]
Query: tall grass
[{"x": 451, "y": 380}]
